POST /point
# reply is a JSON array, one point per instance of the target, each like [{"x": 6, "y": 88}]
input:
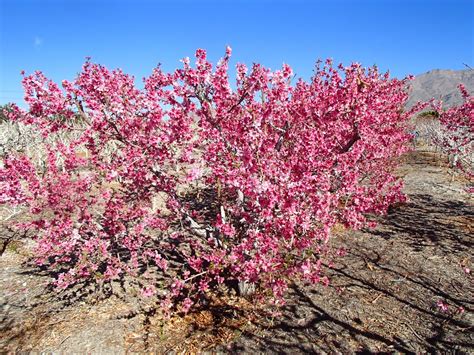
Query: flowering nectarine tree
[
  {"x": 189, "y": 183},
  {"x": 457, "y": 131}
]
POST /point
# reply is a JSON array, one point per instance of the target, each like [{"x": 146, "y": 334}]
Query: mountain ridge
[{"x": 441, "y": 84}]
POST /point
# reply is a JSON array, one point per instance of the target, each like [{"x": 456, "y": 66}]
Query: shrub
[
  {"x": 456, "y": 131},
  {"x": 189, "y": 183}
]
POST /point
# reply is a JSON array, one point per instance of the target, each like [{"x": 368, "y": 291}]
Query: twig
[
  {"x": 377, "y": 298},
  {"x": 194, "y": 276},
  {"x": 242, "y": 98},
  {"x": 467, "y": 66},
  {"x": 66, "y": 338},
  {"x": 414, "y": 332}
]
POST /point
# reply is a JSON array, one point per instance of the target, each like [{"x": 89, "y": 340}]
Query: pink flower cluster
[
  {"x": 458, "y": 124},
  {"x": 197, "y": 182}
]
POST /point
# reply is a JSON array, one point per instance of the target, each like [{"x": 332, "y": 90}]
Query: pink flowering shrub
[
  {"x": 189, "y": 183},
  {"x": 457, "y": 130}
]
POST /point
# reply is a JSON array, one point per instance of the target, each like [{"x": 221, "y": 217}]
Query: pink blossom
[
  {"x": 148, "y": 291},
  {"x": 194, "y": 174},
  {"x": 187, "y": 303},
  {"x": 442, "y": 306},
  {"x": 341, "y": 252}
]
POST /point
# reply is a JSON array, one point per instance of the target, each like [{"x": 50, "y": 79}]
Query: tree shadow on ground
[
  {"x": 384, "y": 293},
  {"x": 315, "y": 332},
  {"x": 311, "y": 325},
  {"x": 426, "y": 221}
]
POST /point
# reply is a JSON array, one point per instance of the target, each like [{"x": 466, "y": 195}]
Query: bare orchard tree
[{"x": 451, "y": 142}]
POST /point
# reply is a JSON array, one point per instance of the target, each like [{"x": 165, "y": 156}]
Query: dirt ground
[{"x": 402, "y": 287}]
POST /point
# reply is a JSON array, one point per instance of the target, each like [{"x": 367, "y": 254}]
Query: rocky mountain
[{"x": 441, "y": 85}]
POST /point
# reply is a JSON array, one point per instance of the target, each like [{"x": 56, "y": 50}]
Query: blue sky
[{"x": 55, "y": 36}]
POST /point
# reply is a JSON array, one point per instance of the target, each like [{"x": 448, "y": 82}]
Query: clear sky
[{"x": 405, "y": 36}]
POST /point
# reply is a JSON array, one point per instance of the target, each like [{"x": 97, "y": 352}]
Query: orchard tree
[
  {"x": 190, "y": 183},
  {"x": 456, "y": 134}
]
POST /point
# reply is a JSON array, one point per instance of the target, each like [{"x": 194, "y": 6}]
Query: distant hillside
[{"x": 442, "y": 85}]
